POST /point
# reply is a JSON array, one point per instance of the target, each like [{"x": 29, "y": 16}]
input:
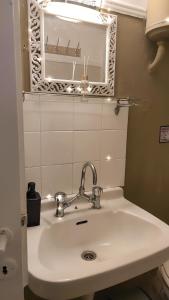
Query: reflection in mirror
[
  {"x": 71, "y": 52},
  {"x": 68, "y": 42}
]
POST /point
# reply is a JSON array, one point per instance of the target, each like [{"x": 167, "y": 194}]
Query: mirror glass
[{"x": 68, "y": 44}]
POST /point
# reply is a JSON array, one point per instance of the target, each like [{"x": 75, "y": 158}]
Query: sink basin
[
  {"x": 110, "y": 235},
  {"x": 88, "y": 250}
]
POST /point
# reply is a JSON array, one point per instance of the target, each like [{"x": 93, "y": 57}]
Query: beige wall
[
  {"x": 25, "y": 46},
  {"x": 147, "y": 169}
]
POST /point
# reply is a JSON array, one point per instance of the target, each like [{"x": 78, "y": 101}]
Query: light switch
[{"x": 164, "y": 134}]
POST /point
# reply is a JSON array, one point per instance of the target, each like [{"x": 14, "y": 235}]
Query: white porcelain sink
[{"x": 127, "y": 242}]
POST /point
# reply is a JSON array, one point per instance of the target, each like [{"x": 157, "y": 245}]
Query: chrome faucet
[
  {"x": 94, "y": 198},
  {"x": 83, "y": 177}
]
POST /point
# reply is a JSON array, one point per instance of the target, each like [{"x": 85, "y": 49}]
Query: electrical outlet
[{"x": 164, "y": 134}]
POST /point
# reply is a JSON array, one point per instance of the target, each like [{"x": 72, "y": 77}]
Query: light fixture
[
  {"x": 49, "y": 196},
  {"x": 84, "y": 87},
  {"x": 49, "y": 78},
  {"x": 108, "y": 157},
  {"x": 39, "y": 58},
  {"x": 79, "y": 89},
  {"x": 167, "y": 19},
  {"x": 76, "y": 11},
  {"x": 69, "y": 89}
]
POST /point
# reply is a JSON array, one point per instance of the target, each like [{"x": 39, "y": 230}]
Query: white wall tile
[
  {"x": 112, "y": 173},
  {"x": 86, "y": 146},
  {"x": 56, "y": 178},
  {"x": 113, "y": 143},
  {"x": 56, "y": 98},
  {"x": 56, "y": 116},
  {"x": 77, "y": 169},
  {"x": 56, "y": 147},
  {"x": 31, "y": 111},
  {"x": 87, "y": 116},
  {"x": 33, "y": 174},
  {"x": 32, "y": 149},
  {"x": 111, "y": 121},
  {"x": 62, "y": 133},
  {"x": 31, "y": 97}
]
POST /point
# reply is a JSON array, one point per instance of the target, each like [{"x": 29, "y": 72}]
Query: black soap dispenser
[{"x": 33, "y": 205}]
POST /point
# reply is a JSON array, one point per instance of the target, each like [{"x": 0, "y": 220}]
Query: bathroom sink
[{"x": 88, "y": 250}]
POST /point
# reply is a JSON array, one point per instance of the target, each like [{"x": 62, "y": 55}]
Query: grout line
[
  {"x": 40, "y": 144},
  {"x": 75, "y": 130},
  {"x": 64, "y": 164},
  {"x": 124, "y": 130},
  {"x": 74, "y": 162},
  {"x": 73, "y": 124}
]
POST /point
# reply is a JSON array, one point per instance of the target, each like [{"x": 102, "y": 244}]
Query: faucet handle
[
  {"x": 60, "y": 202},
  {"x": 97, "y": 191},
  {"x": 60, "y": 196},
  {"x": 96, "y": 194}
]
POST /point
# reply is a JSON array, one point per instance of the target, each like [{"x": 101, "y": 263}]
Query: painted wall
[
  {"x": 147, "y": 170},
  {"x": 12, "y": 200}
]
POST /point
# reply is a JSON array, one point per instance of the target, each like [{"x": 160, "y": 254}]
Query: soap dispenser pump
[{"x": 33, "y": 205}]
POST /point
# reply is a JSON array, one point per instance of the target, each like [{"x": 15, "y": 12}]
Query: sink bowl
[{"x": 88, "y": 250}]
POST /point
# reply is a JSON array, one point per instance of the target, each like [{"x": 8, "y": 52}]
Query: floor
[{"x": 145, "y": 286}]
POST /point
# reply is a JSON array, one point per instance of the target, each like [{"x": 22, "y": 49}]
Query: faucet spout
[{"x": 94, "y": 173}]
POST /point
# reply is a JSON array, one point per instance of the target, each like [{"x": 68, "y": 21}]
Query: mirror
[
  {"x": 68, "y": 42},
  {"x": 65, "y": 49}
]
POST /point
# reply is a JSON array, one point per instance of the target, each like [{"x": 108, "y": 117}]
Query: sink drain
[{"x": 88, "y": 255}]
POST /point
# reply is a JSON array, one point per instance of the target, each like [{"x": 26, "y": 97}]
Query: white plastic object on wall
[
  {"x": 5, "y": 237},
  {"x": 157, "y": 28},
  {"x": 135, "y": 8}
]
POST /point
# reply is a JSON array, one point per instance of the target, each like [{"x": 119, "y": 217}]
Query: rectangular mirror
[
  {"x": 67, "y": 42},
  {"x": 64, "y": 48}
]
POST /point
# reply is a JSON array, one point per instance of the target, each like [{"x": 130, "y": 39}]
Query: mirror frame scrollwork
[{"x": 41, "y": 84}]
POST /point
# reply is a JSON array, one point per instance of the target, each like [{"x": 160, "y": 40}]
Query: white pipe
[
  {"x": 5, "y": 237},
  {"x": 161, "y": 51},
  {"x": 3, "y": 242}
]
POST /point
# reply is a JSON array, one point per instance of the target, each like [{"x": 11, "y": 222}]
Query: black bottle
[{"x": 33, "y": 205}]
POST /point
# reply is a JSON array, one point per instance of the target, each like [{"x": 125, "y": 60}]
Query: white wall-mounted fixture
[
  {"x": 5, "y": 237},
  {"x": 135, "y": 8},
  {"x": 157, "y": 28}
]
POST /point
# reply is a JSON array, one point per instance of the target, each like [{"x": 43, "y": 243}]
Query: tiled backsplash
[{"x": 63, "y": 132}]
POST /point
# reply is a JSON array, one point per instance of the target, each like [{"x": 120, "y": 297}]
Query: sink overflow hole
[
  {"x": 88, "y": 255},
  {"x": 81, "y": 222}
]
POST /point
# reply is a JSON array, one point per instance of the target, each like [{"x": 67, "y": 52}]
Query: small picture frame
[{"x": 164, "y": 134}]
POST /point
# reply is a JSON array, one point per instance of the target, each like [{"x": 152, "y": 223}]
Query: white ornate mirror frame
[{"x": 41, "y": 84}]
